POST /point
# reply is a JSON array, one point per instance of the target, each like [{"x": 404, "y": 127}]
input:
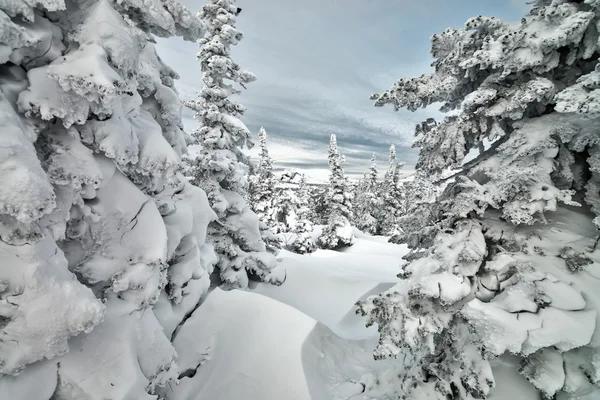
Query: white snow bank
[
  {"x": 327, "y": 284},
  {"x": 251, "y": 350}
]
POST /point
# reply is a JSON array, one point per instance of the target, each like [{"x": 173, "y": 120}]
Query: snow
[
  {"x": 250, "y": 350},
  {"x": 25, "y": 193},
  {"x": 302, "y": 340},
  {"x": 292, "y": 346}
]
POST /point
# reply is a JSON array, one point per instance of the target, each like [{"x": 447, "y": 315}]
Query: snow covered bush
[
  {"x": 103, "y": 242},
  {"x": 338, "y": 231},
  {"x": 507, "y": 260},
  {"x": 221, "y": 168},
  {"x": 367, "y": 202}
]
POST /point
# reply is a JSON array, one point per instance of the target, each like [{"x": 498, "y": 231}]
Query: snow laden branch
[{"x": 505, "y": 260}]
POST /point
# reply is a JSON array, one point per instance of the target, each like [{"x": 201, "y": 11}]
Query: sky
[{"x": 318, "y": 61}]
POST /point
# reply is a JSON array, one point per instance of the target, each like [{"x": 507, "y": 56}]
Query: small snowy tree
[
  {"x": 419, "y": 197},
  {"x": 221, "y": 168},
  {"x": 303, "y": 242},
  {"x": 338, "y": 231},
  {"x": 491, "y": 272},
  {"x": 287, "y": 202},
  {"x": 318, "y": 204},
  {"x": 366, "y": 201}
]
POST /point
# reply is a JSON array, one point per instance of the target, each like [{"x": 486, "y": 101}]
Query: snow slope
[
  {"x": 299, "y": 341},
  {"x": 303, "y": 341},
  {"x": 251, "y": 349}
]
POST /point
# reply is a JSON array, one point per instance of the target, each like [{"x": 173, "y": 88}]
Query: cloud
[{"x": 317, "y": 63}]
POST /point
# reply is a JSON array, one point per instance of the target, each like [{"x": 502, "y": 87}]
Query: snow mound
[{"x": 250, "y": 350}]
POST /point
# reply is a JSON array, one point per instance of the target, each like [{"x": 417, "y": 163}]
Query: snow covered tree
[
  {"x": 303, "y": 242},
  {"x": 366, "y": 201},
  {"x": 221, "y": 168},
  {"x": 262, "y": 195},
  {"x": 262, "y": 186},
  {"x": 392, "y": 160},
  {"x": 338, "y": 231},
  {"x": 419, "y": 198},
  {"x": 102, "y": 240},
  {"x": 391, "y": 198},
  {"x": 286, "y": 201},
  {"x": 507, "y": 261},
  {"x": 318, "y": 213}
]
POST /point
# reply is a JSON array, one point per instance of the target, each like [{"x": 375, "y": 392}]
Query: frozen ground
[{"x": 302, "y": 340}]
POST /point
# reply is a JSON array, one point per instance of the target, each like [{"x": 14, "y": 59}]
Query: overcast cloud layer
[{"x": 317, "y": 63}]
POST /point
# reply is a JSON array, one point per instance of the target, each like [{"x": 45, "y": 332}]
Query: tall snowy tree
[
  {"x": 221, "y": 168},
  {"x": 262, "y": 195},
  {"x": 338, "y": 231},
  {"x": 366, "y": 201},
  {"x": 262, "y": 186},
  {"x": 391, "y": 198},
  {"x": 102, "y": 240},
  {"x": 508, "y": 260},
  {"x": 392, "y": 203}
]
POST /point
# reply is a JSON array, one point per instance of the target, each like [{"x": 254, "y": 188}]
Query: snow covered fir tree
[
  {"x": 338, "y": 231},
  {"x": 101, "y": 237},
  {"x": 303, "y": 242},
  {"x": 506, "y": 262},
  {"x": 366, "y": 201},
  {"x": 221, "y": 167},
  {"x": 391, "y": 203},
  {"x": 262, "y": 185}
]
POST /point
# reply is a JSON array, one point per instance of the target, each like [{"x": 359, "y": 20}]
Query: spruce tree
[
  {"x": 338, "y": 231},
  {"x": 390, "y": 198},
  {"x": 101, "y": 237},
  {"x": 418, "y": 197},
  {"x": 366, "y": 201},
  {"x": 262, "y": 187},
  {"x": 303, "y": 242},
  {"x": 505, "y": 262},
  {"x": 221, "y": 168},
  {"x": 392, "y": 202}
]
